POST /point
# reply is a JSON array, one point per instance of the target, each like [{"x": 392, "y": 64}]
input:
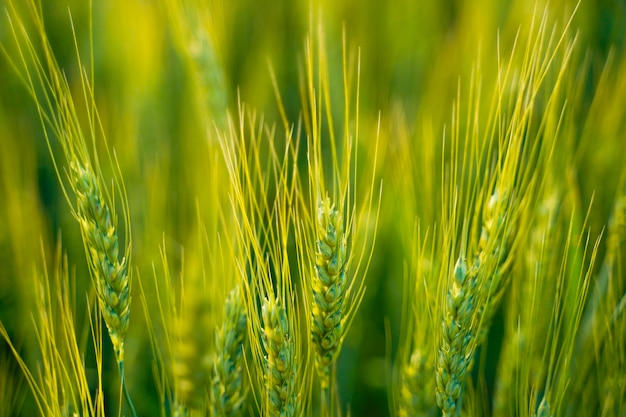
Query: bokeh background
[{"x": 413, "y": 55}]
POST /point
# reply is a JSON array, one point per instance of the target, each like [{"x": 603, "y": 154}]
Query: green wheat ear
[
  {"x": 99, "y": 230},
  {"x": 281, "y": 371},
  {"x": 227, "y": 391},
  {"x": 458, "y": 338},
  {"x": 94, "y": 208},
  {"x": 493, "y": 262},
  {"x": 192, "y": 363},
  {"x": 329, "y": 288},
  {"x": 417, "y": 391}
]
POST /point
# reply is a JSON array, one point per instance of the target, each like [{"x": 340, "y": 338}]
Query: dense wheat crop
[{"x": 312, "y": 208}]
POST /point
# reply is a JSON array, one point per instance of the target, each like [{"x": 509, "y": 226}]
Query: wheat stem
[{"x": 129, "y": 401}]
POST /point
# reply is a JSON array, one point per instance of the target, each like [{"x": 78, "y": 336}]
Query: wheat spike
[
  {"x": 417, "y": 393},
  {"x": 192, "y": 357},
  {"x": 457, "y": 339},
  {"x": 227, "y": 391},
  {"x": 98, "y": 227},
  {"x": 281, "y": 371},
  {"x": 494, "y": 259},
  {"x": 329, "y": 288}
]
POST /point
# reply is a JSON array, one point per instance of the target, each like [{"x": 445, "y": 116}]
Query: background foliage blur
[{"x": 413, "y": 55}]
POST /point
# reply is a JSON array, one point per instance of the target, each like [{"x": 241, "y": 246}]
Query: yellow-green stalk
[
  {"x": 335, "y": 238},
  {"x": 109, "y": 269},
  {"x": 109, "y": 261},
  {"x": 606, "y": 306}
]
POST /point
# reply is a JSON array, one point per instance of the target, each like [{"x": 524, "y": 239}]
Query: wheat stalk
[
  {"x": 98, "y": 226},
  {"x": 94, "y": 211},
  {"x": 336, "y": 234},
  {"x": 415, "y": 391},
  {"x": 99, "y": 230},
  {"x": 471, "y": 302}
]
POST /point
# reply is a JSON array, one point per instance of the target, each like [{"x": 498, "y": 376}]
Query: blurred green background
[{"x": 413, "y": 54}]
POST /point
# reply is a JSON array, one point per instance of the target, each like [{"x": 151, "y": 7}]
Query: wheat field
[{"x": 312, "y": 208}]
